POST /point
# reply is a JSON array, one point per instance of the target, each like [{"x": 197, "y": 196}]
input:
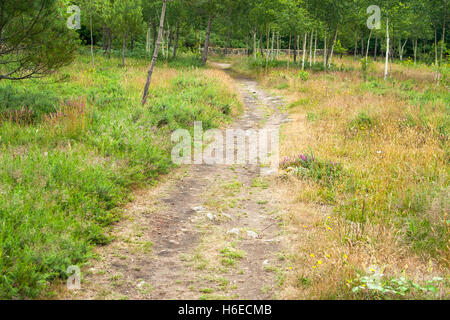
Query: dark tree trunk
[
  {"x": 228, "y": 42},
  {"x": 132, "y": 43},
  {"x": 92, "y": 43},
  {"x": 362, "y": 47},
  {"x": 246, "y": 47},
  {"x": 177, "y": 38},
  {"x": 375, "y": 50},
  {"x": 295, "y": 48},
  {"x": 154, "y": 35},
  {"x": 261, "y": 47},
  {"x": 170, "y": 36},
  {"x": 208, "y": 34},
  {"x": 443, "y": 39},
  {"x": 105, "y": 39},
  {"x": 109, "y": 42},
  {"x": 124, "y": 43}
]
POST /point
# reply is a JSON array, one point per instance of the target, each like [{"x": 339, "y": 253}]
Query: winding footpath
[{"x": 204, "y": 232}]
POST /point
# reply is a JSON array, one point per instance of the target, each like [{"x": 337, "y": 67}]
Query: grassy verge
[
  {"x": 368, "y": 195},
  {"x": 73, "y": 146}
]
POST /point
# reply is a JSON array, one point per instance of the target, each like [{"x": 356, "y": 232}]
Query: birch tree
[
  {"x": 155, "y": 53},
  {"x": 128, "y": 20}
]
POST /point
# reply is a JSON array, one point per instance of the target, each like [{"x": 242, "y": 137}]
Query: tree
[
  {"x": 294, "y": 20},
  {"x": 128, "y": 20},
  {"x": 210, "y": 9},
  {"x": 155, "y": 53},
  {"x": 333, "y": 14},
  {"x": 91, "y": 6},
  {"x": 151, "y": 16},
  {"x": 106, "y": 16},
  {"x": 34, "y": 38},
  {"x": 263, "y": 14}
]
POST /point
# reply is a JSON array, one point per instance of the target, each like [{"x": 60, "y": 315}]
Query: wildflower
[
  {"x": 319, "y": 262},
  {"x": 329, "y": 228},
  {"x": 328, "y": 256},
  {"x": 345, "y": 256},
  {"x": 314, "y": 267},
  {"x": 312, "y": 255},
  {"x": 305, "y": 227}
]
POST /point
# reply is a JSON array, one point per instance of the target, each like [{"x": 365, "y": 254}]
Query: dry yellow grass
[{"x": 394, "y": 158}]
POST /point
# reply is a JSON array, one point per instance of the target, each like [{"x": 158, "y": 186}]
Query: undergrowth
[{"x": 72, "y": 150}]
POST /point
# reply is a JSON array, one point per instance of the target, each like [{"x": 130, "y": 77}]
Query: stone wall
[{"x": 243, "y": 51}]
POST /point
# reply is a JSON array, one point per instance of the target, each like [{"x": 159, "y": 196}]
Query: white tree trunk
[
  {"x": 402, "y": 49},
  {"x": 289, "y": 51},
  {"x": 155, "y": 53},
  {"x": 272, "y": 51},
  {"x": 311, "y": 47},
  {"x": 368, "y": 45},
  {"x": 304, "y": 51},
  {"x": 278, "y": 45},
  {"x": 315, "y": 47},
  {"x": 443, "y": 41},
  {"x": 325, "y": 53},
  {"x": 415, "y": 50},
  {"x": 332, "y": 47},
  {"x": 267, "y": 45},
  {"x": 254, "y": 44},
  {"x": 147, "y": 40},
  {"x": 387, "y": 50}
]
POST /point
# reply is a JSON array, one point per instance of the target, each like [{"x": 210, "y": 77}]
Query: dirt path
[{"x": 206, "y": 232}]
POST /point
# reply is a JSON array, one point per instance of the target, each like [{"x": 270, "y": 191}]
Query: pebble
[
  {"x": 234, "y": 231},
  {"x": 252, "y": 234},
  {"x": 227, "y": 215}
]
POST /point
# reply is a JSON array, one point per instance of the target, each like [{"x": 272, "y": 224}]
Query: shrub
[
  {"x": 303, "y": 75},
  {"x": 363, "y": 121},
  {"x": 366, "y": 68},
  {"x": 25, "y": 106},
  {"x": 308, "y": 166}
]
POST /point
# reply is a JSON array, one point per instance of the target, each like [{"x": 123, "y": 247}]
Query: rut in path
[{"x": 206, "y": 232}]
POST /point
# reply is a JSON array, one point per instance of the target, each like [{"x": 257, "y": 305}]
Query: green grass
[
  {"x": 230, "y": 256},
  {"x": 64, "y": 175}
]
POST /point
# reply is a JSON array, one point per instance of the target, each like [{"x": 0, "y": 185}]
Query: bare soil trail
[{"x": 205, "y": 232}]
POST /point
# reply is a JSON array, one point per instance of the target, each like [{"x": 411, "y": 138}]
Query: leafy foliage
[{"x": 35, "y": 40}]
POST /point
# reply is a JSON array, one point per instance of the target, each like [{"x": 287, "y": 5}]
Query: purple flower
[{"x": 303, "y": 157}]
